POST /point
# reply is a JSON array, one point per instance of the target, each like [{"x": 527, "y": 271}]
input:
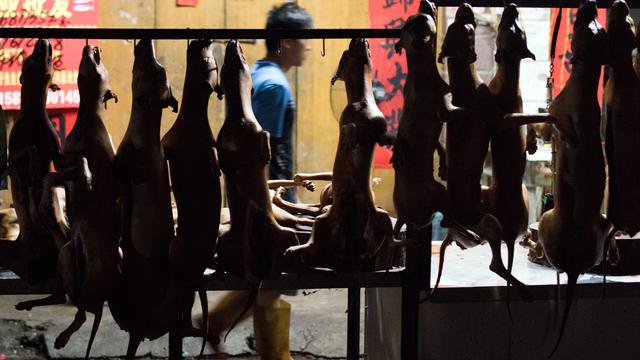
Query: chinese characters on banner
[
  {"x": 66, "y": 52},
  {"x": 390, "y": 69},
  {"x": 562, "y": 61}
]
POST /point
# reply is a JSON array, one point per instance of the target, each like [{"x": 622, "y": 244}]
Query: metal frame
[
  {"x": 532, "y": 3},
  {"x": 121, "y": 33},
  {"x": 10, "y": 284},
  {"x": 140, "y": 33}
]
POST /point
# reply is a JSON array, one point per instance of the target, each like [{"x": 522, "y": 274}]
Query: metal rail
[
  {"x": 10, "y": 284},
  {"x": 532, "y": 3},
  {"x": 121, "y": 33},
  {"x": 168, "y": 34}
]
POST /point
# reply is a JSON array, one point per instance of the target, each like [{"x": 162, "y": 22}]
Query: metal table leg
[
  {"x": 175, "y": 342},
  {"x": 353, "y": 324},
  {"x": 416, "y": 278}
]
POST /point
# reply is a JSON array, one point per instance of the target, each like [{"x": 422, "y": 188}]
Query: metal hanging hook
[
  {"x": 324, "y": 51},
  {"x": 86, "y": 42},
  {"x": 279, "y": 46}
]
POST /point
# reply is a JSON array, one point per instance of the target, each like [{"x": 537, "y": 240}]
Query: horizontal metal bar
[
  {"x": 532, "y": 3},
  {"x": 137, "y": 33},
  {"x": 10, "y": 284},
  {"x": 311, "y": 281},
  {"x": 120, "y": 33},
  {"x": 539, "y": 292}
]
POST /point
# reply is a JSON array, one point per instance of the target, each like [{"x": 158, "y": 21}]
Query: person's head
[{"x": 289, "y": 15}]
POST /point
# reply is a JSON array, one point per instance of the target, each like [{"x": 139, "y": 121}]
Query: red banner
[
  {"x": 390, "y": 69},
  {"x": 563, "y": 56},
  {"x": 66, "y": 52},
  {"x": 63, "y": 121},
  {"x": 191, "y": 3}
]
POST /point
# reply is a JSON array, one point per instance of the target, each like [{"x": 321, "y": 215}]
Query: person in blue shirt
[
  {"x": 272, "y": 101},
  {"x": 274, "y": 108}
]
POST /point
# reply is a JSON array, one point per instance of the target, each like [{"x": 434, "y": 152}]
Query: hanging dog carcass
[
  {"x": 505, "y": 198},
  {"x": 467, "y": 145},
  {"x": 622, "y": 95},
  {"x": 195, "y": 177},
  {"x": 573, "y": 234},
  {"x": 145, "y": 302},
  {"x": 87, "y": 264},
  {"x": 255, "y": 244},
  {"x": 33, "y": 148},
  {"x": 353, "y": 232},
  {"x": 427, "y": 104}
]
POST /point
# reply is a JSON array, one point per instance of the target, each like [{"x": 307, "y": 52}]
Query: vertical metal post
[
  {"x": 416, "y": 277},
  {"x": 175, "y": 342},
  {"x": 424, "y": 274},
  {"x": 353, "y": 324}
]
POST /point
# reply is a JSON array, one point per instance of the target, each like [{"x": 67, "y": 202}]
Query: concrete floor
[{"x": 318, "y": 331}]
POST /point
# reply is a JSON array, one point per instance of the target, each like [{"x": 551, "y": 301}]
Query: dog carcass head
[
  {"x": 511, "y": 40},
  {"x": 590, "y": 43},
  {"x": 235, "y": 76},
  {"x": 151, "y": 89},
  {"x": 37, "y": 69},
  {"x": 460, "y": 40},
  {"x": 355, "y": 61},
  {"x": 202, "y": 69},
  {"x": 93, "y": 77},
  {"x": 420, "y": 29},
  {"x": 621, "y": 30}
]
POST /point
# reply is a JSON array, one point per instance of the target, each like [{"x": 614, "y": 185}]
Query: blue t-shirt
[
  {"x": 272, "y": 99},
  {"x": 274, "y": 108}
]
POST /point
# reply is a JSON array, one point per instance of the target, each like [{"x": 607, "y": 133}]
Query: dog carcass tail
[
  {"x": 443, "y": 248},
  {"x": 204, "y": 302},
  {"x": 571, "y": 287},
  {"x": 253, "y": 296}
]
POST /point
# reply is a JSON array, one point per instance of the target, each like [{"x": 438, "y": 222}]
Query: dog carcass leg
[
  {"x": 134, "y": 342},
  {"x": 497, "y": 266},
  {"x": 94, "y": 329},
  {"x": 449, "y": 112},
  {"x": 310, "y": 248},
  {"x": 515, "y": 120},
  {"x": 56, "y": 298},
  {"x": 64, "y": 336},
  {"x": 294, "y": 208}
]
